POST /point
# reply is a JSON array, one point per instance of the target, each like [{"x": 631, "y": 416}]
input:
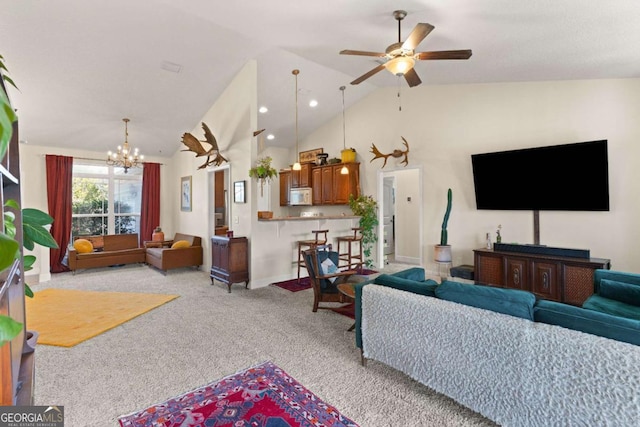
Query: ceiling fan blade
[
  {"x": 417, "y": 35},
  {"x": 444, "y": 54},
  {"x": 412, "y": 78},
  {"x": 361, "y": 53},
  {"x": 365, "y": 76}
]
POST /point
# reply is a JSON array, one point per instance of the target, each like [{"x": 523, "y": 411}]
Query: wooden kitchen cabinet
[
  {"x": 229, "y": 260},
  {"x": 554, "y": 278},
  {"x": 345, "y": 185},
  {"x": 330, "y": 187},
  {"x": 285, "y": 187},
  {"x": 301, "y": 178}
]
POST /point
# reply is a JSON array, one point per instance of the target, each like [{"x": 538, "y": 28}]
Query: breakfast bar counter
[
  {"x": 278, "y": 260},
  {"x": 308, "y": 218}
]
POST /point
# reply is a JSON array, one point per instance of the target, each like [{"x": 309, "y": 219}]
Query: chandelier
[{"x": 125, "y": 157}]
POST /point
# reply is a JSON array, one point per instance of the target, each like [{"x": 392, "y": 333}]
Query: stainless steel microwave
[{"x": 300, "y": 197}]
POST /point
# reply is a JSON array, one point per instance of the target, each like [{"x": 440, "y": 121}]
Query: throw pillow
[
  {"x": 180, "y": 244},
  {"x": 328, "y": 267},
  {"x": 83, "y": 246},
  {"x": 620, "y": 291}
]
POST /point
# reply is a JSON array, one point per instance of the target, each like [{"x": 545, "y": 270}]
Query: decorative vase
[
  {"x": 158, "y": 235},
  {"x": 442, "y": 253}
]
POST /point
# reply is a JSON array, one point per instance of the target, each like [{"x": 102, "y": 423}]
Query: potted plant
[
  {"x": 442, "y": 252},
  {"x": 367, "y": 209},
  {"x": 263, "y": 171}
]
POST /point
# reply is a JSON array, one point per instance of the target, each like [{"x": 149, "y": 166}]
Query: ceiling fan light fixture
[{"x": 400, "y": 65}]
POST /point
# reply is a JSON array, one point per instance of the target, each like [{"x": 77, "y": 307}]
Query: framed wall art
[
  {"x": 309, "y": 155},
  {"x": 239, "y": 195},
  {"x": 185, "y": 193}
]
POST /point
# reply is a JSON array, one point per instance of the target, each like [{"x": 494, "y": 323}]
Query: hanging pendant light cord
[
  {"x": 344, "y": 128},
  {"x": 296, "y": 164}
]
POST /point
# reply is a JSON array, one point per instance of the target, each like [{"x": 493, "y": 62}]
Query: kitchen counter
[{"x": 308, "y": 218}]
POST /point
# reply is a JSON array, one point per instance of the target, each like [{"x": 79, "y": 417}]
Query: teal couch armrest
[
  {"x": 589, "y": 321},
  {"x": 410, "y": 280}
]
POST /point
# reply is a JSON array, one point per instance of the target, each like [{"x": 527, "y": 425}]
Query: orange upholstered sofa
[
  {"x": 162, "y": 256},
  {"x": 111, "y": 249}
]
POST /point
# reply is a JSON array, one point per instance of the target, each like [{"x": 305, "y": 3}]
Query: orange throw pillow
[
  {"x": 83, "y": 246},
  {"x": 180, "y": 244}
]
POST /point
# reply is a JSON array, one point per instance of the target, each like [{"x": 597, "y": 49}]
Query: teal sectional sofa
[{"x": 515, "y": 359}]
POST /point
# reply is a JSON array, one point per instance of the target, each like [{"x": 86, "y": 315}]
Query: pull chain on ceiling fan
[{"x": 401, "y": 57}]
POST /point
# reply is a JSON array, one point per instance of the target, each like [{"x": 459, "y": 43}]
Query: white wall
[{"x": 444, "y": 125}]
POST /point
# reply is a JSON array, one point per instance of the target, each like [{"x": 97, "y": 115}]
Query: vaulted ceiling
[{"x": 82, "y": 66}]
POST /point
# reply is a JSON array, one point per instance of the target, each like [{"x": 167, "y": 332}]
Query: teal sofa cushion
[
  {"x": 627, "y": 293},
  {"x": 612, "y": 307},
  {"x": 589, "y": 321},
  {"x": 513, "y": 302},
  {"x": 426, "y": 287},
  {"x": 619, "y": 276}
]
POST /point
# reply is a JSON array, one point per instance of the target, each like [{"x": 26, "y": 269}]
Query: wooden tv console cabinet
[{"x": 563, "y": 279}]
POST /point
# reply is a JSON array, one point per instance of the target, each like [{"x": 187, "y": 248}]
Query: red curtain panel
[
  {"x": 59, "y": 196},
  {"x": 150, "y": 212}
]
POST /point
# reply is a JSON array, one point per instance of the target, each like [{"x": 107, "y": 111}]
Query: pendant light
[
  {"x": 125, "y": 156},
  {"x": 345, "y": 169},
  {"x": 296, "y": 165}
]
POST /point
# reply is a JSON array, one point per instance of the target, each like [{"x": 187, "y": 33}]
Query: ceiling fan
[{"x": 401, "y": 57}]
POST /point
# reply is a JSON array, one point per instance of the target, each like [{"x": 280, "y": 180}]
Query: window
[{"x": 105, "y": 199}]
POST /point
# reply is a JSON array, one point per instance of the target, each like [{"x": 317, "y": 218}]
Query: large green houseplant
[{"x": 367, "y": 209}]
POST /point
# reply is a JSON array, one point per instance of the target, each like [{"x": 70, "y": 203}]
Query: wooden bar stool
[
  {"x": 353, "y": 259},
  {"x": 310, "y": 244}
]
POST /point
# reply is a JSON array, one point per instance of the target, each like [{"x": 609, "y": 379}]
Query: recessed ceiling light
[
  {"x": 270, "y": 136},
  {"x": 263, "y": 109},
  {"x": 313, "y": 103}
]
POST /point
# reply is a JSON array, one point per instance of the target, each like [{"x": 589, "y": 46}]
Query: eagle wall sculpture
[{"x": 195, "y": 145}]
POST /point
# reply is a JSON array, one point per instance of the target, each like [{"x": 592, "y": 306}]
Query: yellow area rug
[{"x": 66, "y": 317}]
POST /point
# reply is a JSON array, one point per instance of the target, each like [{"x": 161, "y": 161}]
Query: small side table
[{"x": 349, "y": 290}]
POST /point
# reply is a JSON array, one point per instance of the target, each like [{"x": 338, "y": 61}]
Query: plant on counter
[
  {"x": 367, "y": 209},
  {"x": 263, "y": 171}
]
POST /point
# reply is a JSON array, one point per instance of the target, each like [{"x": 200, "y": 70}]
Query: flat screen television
[{"x": 568, "y": 177}]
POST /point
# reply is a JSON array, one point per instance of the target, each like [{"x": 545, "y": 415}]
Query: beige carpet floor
[{"x": 207, "y": 334}]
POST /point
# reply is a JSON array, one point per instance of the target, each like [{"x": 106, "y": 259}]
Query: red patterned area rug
[
  {"x": 293, "y": 285},
  {"x": 261, "y": 396}
]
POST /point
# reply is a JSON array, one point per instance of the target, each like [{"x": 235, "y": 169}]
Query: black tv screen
[{"x": 569, "y": 177}]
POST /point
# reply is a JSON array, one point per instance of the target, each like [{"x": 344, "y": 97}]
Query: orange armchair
[{"x": 163, "y": 257}]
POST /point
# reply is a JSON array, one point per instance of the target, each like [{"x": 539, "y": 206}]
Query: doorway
[
  {"x": 400, "y": 218},
  {"x": 219, "y": 200}
]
